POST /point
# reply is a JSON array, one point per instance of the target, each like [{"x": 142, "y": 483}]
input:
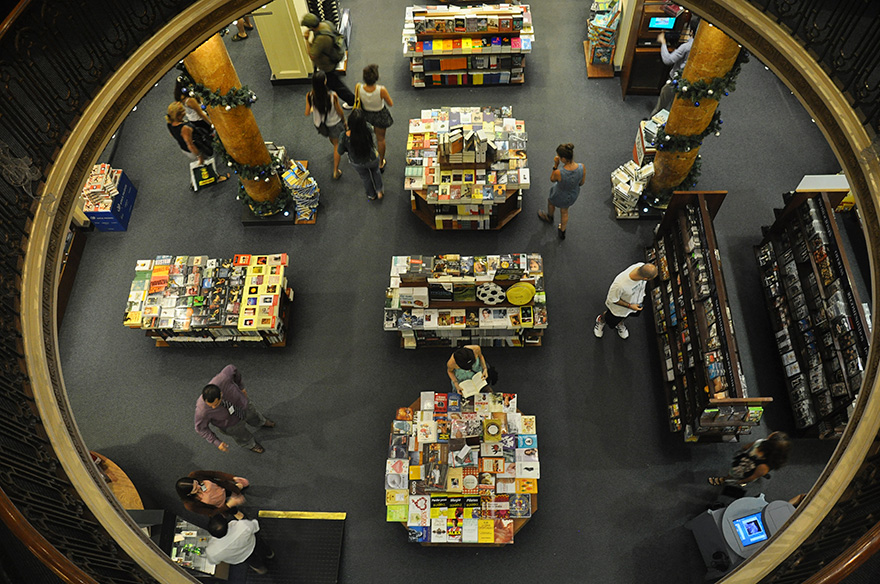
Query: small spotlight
[
  {"x": 134, "y": 109},
  {"x": 286, "y": 213}
]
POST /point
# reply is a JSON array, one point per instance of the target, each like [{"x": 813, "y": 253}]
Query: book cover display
[
  {"x": 196, "y": 299},
  {"x": 449, "y": 300},
  {"x": 477, "y": 484},
  {"x": 467, "y": 45},
  {"x": 466, "y": 167}
]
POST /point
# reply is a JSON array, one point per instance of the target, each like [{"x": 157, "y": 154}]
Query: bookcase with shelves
[
  {"x": 195, "y": 301},
  {"x": 818, "y": 321},
  {"x": 475, "y": 45},
  {"x": 466, "y": 167},
  {"x": 452, "y": 300},
  {"x": 706, "y": 394}
]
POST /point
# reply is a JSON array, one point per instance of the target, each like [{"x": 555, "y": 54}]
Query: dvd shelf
[
  {"x": 452, "y": 300},
  {"x": 818, "y": 321},
  {"x": 195, "y": 301},
  {"x": 466, "y": 167},
  {"x": 473, "y": 45},
  {"x": 462, "y": 470},
  {"x": 706, "y": 394}
]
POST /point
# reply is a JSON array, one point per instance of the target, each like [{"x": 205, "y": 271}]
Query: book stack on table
[
  {"x": 462, "y": 470},
  {"x": 196, "y": 299}
]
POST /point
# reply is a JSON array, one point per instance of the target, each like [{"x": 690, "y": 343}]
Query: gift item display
[
  {"x": 194, "y": 300},
  {"x": 462, "y": 470},
  {"x": 466, "y": 167},
  {"x": 474, "y": 45},
  {"x": 820, "y": 327},
  {"x": 108, "y": 198},
  {"x": 629, "y": 181},
  {"x": 706, "y": 394},
  {"x": 451, "y": 300}
]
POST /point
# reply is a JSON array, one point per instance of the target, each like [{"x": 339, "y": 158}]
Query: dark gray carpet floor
[{"x": 616, "y": 486}]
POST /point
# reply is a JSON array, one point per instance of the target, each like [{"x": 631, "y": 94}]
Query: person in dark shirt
[{"x": 224, "y": 404}]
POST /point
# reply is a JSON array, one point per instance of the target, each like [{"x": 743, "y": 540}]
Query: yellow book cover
[
  {"x": 396, "y": 512},
  {"x": 454, "y": 480},
  {"x": 416, "y": 472},
  {"x": 462, "y": 209},
  {"x": 524, "y": 486},
  {"x": 466, "y": 46},
  {"x": 396, "y": 497},
  {"x": 486, "y": 531},
  {"x": 133, "y": 319},
  {"x": 477, "y": 78}
]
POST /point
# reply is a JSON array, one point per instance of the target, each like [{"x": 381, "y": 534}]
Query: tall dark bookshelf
[
  {"x": 705, "y": 391},
  {"x": 819, "y": 325}
]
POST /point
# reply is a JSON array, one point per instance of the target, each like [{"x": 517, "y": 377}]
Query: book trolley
[
  {"x": 194, "y": 301},
  {"x": 452, "y": 300},
  {"x": 462, "y": 471},
  {"x": 466, "y": 167},
  {"x": 706, "y": 394},
  {"x": 475, "y": 45},
  {"x": 818, "y": 321}
]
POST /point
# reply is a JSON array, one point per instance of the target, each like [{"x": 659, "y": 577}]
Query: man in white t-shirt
[
  {"x": 625, "y": 297},
  {"x": 235, "y": 541}
]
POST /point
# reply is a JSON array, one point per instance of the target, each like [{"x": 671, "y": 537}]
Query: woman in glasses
[{"x": 209, "y": 492}]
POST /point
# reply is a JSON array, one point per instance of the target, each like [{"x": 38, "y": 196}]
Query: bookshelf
[
  {"x": 818, "y": 321},
  {"x": 195, "y": 301},
  {"x": 462, "y": 471},
  {"x": 476, "y": 45},
  {"x": 466, "y": 167},
  {"x": 706, "y": 394},
  {"x": 452, "y": 300}
]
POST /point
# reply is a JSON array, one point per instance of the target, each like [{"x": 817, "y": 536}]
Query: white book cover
[
  {"x": 438, "y": 530},
  {"x": 427, "y": 401}
]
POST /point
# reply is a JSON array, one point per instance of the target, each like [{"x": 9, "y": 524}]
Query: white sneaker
[
  {"x": 599, "y": 327},
  {"x": 621, "y": 330}
]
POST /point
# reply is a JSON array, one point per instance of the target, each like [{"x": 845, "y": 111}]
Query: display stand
[
  {"x": 451, "y": 300},
  {"x": 602, "y": 34},
  {"x": 480, "y": 45},
  {"x": 818, "y": 321},
  {"x": 194, "y": 301},
  {"x": 706, "y": 395},
  {"x": 462, "y": 472},
  {"x": 466, "y": 167}
]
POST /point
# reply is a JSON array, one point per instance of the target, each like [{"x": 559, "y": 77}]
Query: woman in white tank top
[{"x": 375, "y": 101}]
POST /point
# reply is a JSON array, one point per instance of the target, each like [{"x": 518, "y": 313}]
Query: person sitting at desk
[
  {"x": 465, "y": 363},
  {"x": 676, "y": 59}
]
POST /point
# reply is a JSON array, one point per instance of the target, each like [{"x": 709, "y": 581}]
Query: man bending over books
[{"x": 468, "y": 370}]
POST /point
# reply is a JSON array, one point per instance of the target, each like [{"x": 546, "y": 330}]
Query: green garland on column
[
  {"x": 684, "y": 143},
  {"x": 262, "y": 172},
  {"x": 237, "y": 96},
  {"x": 266, "y": 208},
  {"x": 714, "y": 89}
]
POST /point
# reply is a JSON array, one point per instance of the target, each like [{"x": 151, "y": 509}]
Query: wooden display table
[
  {"x": 468, "y": 514},
  {"x": 121, "y": 486}
]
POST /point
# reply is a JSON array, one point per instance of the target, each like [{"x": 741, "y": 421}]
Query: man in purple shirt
[{"x": 224, "y": 404}]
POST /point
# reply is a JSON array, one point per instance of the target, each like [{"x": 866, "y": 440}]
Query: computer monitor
[
  {"x": 750, "y": 529},
  {"x": 661, "y": 23}
]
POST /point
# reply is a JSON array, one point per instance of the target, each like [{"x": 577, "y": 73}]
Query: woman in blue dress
[
  {"x": 465, "y": 363},
  {"x": 564, "y": 193}
]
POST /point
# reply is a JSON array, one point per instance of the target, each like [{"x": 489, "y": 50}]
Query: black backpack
[
  {"x": 336, "y": 52},
  {"x": 203, "y": 139}
]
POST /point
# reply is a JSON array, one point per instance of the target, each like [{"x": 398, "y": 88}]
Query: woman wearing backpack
[{"x": 323, "y": 105}]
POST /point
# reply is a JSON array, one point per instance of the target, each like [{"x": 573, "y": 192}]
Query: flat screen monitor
[
  {"x": 661, "y": 23},
  {"x": 750, "y": 529}
]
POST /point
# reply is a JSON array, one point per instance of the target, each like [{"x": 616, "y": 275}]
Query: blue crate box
[{"x": 116, "y": 218}]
